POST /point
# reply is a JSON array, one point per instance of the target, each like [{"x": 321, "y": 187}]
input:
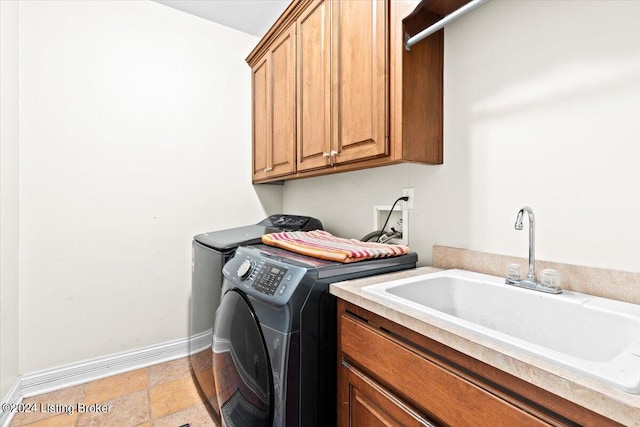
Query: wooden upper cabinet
[
  {"x": 342, "y": 84},
  {"x": 359, "y": 79},
  {"x": 274, "y": 104},
  {"x": 314, "y": 78},
  {"x": 334, "y": 89},
  {"x": 261, "y": 118},
  {"x": 283, "y": 96}
]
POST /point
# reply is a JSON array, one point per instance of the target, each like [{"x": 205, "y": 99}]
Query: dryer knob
[{"x": 245, "y": 269}]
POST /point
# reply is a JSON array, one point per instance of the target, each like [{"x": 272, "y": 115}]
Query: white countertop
[{"x": 600, "y": 398}]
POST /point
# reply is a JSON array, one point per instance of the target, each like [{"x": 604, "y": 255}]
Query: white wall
[
  {"x": 134, "y": 132},
  {"x": 9, "y": 214},
  {"x": 134, "y": 136},
  {"x": 542, "y": 108}
]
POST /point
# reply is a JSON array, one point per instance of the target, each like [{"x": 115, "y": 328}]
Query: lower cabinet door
[
  {"x": 431, "y": 387},
  {"x": 391, "y": 376},
  {"x": 368, "y": 404}
]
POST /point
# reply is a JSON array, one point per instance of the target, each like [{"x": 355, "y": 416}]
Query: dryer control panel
[
  {"x": 263, "y": 277},
  {"x": 292, "y": 222}
]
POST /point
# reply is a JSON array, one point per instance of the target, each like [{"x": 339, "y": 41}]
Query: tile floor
[{"x": 163, "y": 395}]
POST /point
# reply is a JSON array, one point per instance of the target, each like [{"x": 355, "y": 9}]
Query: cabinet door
[
  {"x": 430, "y": 387},
  {"x": 359, "y": 79},
  {"x": 314, "y": 74},
  {"x": 371, "y": 405},
  {"x": 283, "y": 105},
  {"x": 261, "y": 118}
]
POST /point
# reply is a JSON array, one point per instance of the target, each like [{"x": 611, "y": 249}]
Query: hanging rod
[{"x": 410, "y": 41}]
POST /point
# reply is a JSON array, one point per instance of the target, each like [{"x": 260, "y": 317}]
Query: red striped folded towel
[{"x": 324, "y": 245}]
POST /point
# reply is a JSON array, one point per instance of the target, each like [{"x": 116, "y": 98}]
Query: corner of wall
[{"x": 9, "y": 205}]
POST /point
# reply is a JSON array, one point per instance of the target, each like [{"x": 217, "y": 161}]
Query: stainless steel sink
[{"x": 594, "y": 336}]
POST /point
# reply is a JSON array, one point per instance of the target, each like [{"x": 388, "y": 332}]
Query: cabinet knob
[
  {"x": 325, "y": 155},
  {"x": 268, "y": 169},
  {"x": 334, "y": 153}
]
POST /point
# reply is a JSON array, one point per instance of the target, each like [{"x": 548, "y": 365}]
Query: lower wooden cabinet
[
  {"x": 370, "y": 404},
  {"x": 391, "y": 376}
]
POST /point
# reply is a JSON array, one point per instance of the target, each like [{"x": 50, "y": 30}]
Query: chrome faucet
[
  {"x": 530, "y": 282},
  {"x": 532, "y": 239}
]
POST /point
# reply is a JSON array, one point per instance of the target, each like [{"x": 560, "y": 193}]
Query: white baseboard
[
  {"x": 90, "y": 370},
  {"x": 12, "y": 397}
]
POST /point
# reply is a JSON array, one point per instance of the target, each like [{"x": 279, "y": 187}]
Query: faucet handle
[
  {"x": 550, "y": 277},
  {"x": 514, "y": 272}
]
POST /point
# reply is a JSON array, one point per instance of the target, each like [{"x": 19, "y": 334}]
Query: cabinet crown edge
[{"x": 287, "y": 18}]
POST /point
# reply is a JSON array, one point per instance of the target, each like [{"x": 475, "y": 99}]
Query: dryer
[{"x": 274, "y": 342}]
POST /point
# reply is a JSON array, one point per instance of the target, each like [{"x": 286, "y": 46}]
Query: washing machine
[
  {"x": 274, "y": 343},
  {"x": 210, "y": 251}
]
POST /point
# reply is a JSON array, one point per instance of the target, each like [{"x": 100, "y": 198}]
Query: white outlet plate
[{"x": 408, "y": 192}]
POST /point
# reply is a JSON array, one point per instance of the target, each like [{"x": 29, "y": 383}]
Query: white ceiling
[{"x": 250, "y": 16}]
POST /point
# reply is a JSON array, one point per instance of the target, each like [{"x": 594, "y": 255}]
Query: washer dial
[{"x": 245, "y": 269}]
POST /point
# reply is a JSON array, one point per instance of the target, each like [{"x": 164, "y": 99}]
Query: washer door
[{"x": 243, "y": 376}]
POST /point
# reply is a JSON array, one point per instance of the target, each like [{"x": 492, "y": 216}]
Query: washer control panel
[
  {"x": 269, "y": 278},
  {"x": 263, "y": 277}
]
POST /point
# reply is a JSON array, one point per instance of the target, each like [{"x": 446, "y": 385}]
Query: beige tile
[
  {"x": 117, "y": 385},
  {"x": 206, "y": 382},
  {"x": 128, "y": 410},
  {"x": 202, "y": 360},
  {"x": 169, "y": 371},
  {"x": 173, "y": 396},
  {"x": 63, "y": 420},
  {"x": 50, "y": 404},
  {"x": 195, "y": 416}
]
